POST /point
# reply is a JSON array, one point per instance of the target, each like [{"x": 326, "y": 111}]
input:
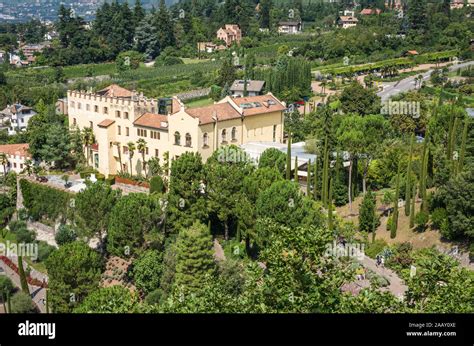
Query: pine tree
[
  {"x": 164, "y": 26},
  {"x": 21, "y": 273},
  {"x": 412, "y": 208},
  {"x": 330, "y": 216},
  {"x": 194, "y": 257},
  {"x": 288, "y": 158},
  {"x": 408, "y": 177},
  {"x": 394, "y": 227},
  {"x": 138, "y": 12}
]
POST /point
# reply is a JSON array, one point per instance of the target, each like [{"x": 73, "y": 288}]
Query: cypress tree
[
  {"x": 453, "y": 145},
  {"x": 308, "y": 179},
  {"x": 463, "y": 145},
  {"x": 408, "y": 178},
  {"x": 21, "y": 272},
  {"x": 288, "y": 158},
  {"x": 324, "y": 188},
  {"x": 295, "y": 173},
  {"x": 424, "y": 167},
  {"x": 393, "y": 229},
  {"x": 194, "y": 257},
  {"x": 315, "y": 180},
  {"x": 367, "y": 212},
  {"x": 412, "y": 208},
  {"x": 330, "y": 216}
]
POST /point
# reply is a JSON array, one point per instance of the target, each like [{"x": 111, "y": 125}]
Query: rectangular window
[
  {"x": 127, "y": 131},
  {"x": 157, "y": 152},
  {"x": 125, "y": 115},
  {"x": 88, "y": 107},
  {"x": 96, "y": 109},
  {"x": 117, "y": 114},
  {"x": 274, "y": 132},
  {"x": 79, "y": 105},
  {"x": 106, "y": 110},
  {"x": 119, "y": 130},
  {"x": 74, "y": 121},
  {"x": 72, "y": 104},
  {"x": 146, "y": 150},
  {"x": 91, "y": 125}
]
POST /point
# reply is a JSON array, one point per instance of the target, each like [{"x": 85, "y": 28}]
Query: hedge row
[{"x": 44, "y": 202}]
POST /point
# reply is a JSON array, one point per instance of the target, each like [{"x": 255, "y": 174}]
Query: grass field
[{"x": 199, "y": 102}]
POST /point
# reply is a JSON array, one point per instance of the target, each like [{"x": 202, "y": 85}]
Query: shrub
[
  {"x": 66, "y": 234},
  {"x": 421, "y": 219},
  {"x": 44, "y": 250},
  {"x": 373, "y": 249},
  {"x": 156, "y": 184},
  {"x": 439, "y": 216},
  {"x": 154, "y": 297},
  {"x": 471, "y": 252},
  {"x": 22, "y": 303},
  {"x": 389, "y": 223},
  {"x": 6, "y": 286},
  {"x": 110, "y": 180}
]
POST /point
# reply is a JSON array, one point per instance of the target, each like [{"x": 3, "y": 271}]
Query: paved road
[
  {"x": 394, "y": 88},
  {"x": 37, "y": 293}
]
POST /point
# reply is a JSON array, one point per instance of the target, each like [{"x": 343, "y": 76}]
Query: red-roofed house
[
  {"x": 16, "y": 155},
  {"x": 230, "y": 33}
]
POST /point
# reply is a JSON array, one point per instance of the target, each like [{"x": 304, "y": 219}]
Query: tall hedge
[{"x": 44, "y": 202}]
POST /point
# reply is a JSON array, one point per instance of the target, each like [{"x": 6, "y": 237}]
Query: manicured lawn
[{"x": 200, "y": 103}]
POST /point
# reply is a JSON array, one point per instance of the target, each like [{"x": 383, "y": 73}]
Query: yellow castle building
[{"x": 118, "y": 116}]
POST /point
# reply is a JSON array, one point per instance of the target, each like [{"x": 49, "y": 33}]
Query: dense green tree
[
  {"x": 21, "y": 303},
  {"x": 147, "y": 269},
  {"x": 164, "y": 26},
  {"x": 273, "y": 158},
  {"x": 109, "y": 300},
  {"x": 74, "y": 271},
  {"x": 132, "y": 218},
  {"x": 92, "y": 208},
  {"x": 359, "y": 100},
  {"x": 367, "y": 213},
  {"x": 65, "y": 234},
  {"x": 186, "y": 202},
  {"x": 194, "y": 257}
]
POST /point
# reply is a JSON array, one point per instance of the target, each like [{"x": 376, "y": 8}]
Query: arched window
[
  {"x": 224, "y": 136},
  {"x": 205, "y": 140},
  {"x": 177, "y": 138},
  {"x": 234, "y": 134},
  {"x": 188, "y": 140}
]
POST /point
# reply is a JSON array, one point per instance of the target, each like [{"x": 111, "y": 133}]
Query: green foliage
[
  {"x": 194, "y": 257},
  {"x": 129, "y": 60},
  {"x": 21, "y": 303},
  {"x": 146, "y": 271},
  {"x": 273, "y": 158},
  {"x": 109, "y": 300},
  {"x": 421, "y": 219},
  {"x": 65, "y": 234},
  {"x": 284, "y": 203},
  {"x": 132, "y": 218},
  {"x": 157, "y": 184},
  {"x": 6, "y": 287},
  {"x": 92, "y": 209},
  {"x": 438, "y": 217},
  {"x": 359, "y": 100},
  {"x": 44, "y": 251},
  {"x": 375, "y": 248},
  {"x": 186, "y": 203},
  {"x": 367, "y": 217},
  {"x": 44, "y": 202},
  {"x": 22, "y": 275},
  {"x": 74, "y": 271}
]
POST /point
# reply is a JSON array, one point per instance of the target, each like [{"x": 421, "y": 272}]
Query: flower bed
[
  {"x": 120, "y": 180},
  {"x": 29, "y": 279}
]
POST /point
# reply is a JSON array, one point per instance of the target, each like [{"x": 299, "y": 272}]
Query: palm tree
[
  {"x": 87, "y": 140},
  {"x": 141, "y": 147},
  {"x": 131, "y": 152},
  {"x": 4, "y": 163},
  {"x": 117, "y": 144}
]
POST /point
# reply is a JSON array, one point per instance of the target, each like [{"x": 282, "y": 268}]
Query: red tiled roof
[
  {"x": 106, "y": 123},
  {"x": 15, "y": 149},
  {"x": 223, "y": 111},
  {"x": 115, "y": 90},
  {"x": 151, "y": 120},
  {"x": 268, "y": 104}
]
